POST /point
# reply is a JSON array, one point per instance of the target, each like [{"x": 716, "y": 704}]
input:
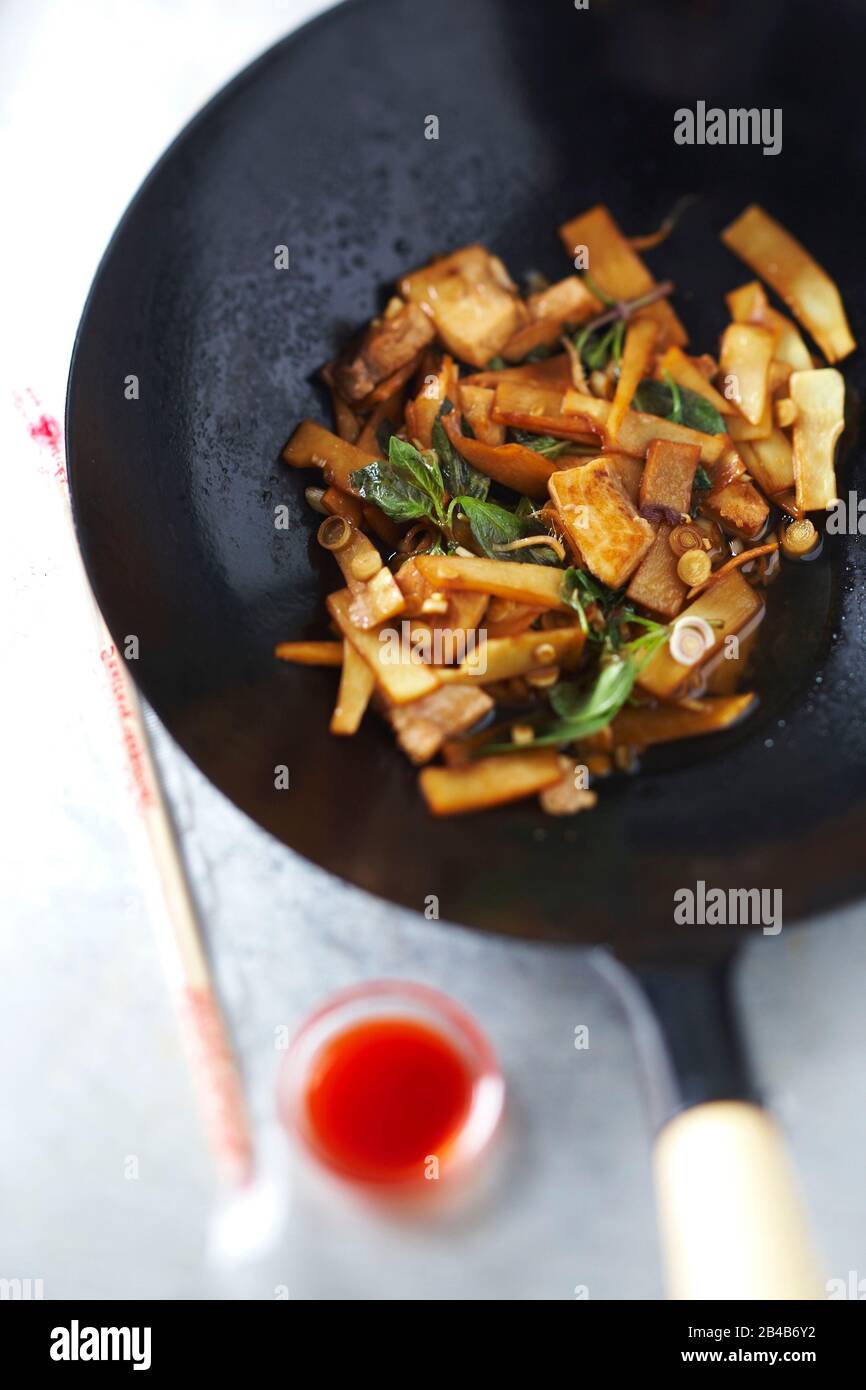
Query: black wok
[{"x": 320, "y": 146}]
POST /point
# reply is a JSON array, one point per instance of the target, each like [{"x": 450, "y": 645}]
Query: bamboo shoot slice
[
  {"x": 537, "y": 409},
  {"x": 819, "y": 398},
  {"x": 729, "y": 607},
  {"x": 387, "y": 412},
  {"x": 739, "y": 428},
  {"x": 638, "y": 430},
  {"x": 312, "y": 446},
  {"x": 642, "y": 727},
  {"x": 807, "y": 289},
  {"x": 356, "y": 687},
  {"x": 538, "y": 586},
  {"x": 639, "y": 342},
  {"x": 524, "y": 470},
  {"x": 347, "y": 423},
  {"x": 770, "y": 462},
  {"x": 376, "y": 600},
  {"x": 617, "y": 269},
  {"x": 310, "y": 653},
  {"x": 533, "y": 335},
  {"x": 568, "y": 302},
  {"x": 747, "y": 352},
  {"x": 553, "y": 372},
  {"x": 421, "y": 412},
  {"x": 685, "y": 373},
  {"x": 338, "y": 503},
  {"x": 508, "y": 619},
  {"x": 476, "y": 403},
  {"x": 502, "y": 658},
  {"x": 749, "y": 304},
  {"x": 399, "y": 676},
  {"x": 454, "y": 791}
]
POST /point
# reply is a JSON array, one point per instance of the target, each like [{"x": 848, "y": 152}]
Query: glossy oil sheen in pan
[{"x": 543, "y": 110}]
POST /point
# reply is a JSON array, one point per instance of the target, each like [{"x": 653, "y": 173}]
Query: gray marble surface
[{"x": 92, "y": 1073}]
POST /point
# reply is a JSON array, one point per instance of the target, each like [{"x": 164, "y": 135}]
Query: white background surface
[{"x": 91, "y": 1074}]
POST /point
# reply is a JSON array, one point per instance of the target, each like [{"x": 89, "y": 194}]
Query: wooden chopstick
[{"x": 203, "y": 1029}]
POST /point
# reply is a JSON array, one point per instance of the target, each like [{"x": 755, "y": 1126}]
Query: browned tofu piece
[
  {"x": 389, "y": 343},
  {"x": 655, "y": 584},
  {"x": 669, "y": 476},
  {"x": 533, "y": 335},
  {"x": 471, "y": 300},
  {"x": 422, "y": 726},
  {"x": 568, "y": 301},
  {"x": 601, "y": 520},
  {"x": 739, "y": 506}
]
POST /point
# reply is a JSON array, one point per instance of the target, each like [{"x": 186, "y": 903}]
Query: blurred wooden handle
[{"x": 731, "y": 1219}]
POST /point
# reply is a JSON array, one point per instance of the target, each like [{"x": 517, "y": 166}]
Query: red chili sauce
[{"x": 386, "y": 1095}]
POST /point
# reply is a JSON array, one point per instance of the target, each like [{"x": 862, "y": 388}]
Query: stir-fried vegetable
[
  {"x": 452, "y": 791},
  {"x": 789, "y": 269},
  {"x": 552, "y": 522},
  {"x": 747, "y": 352},
  {"x": 819, "y": 400}
]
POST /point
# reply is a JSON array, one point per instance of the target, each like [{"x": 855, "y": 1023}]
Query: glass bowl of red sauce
[{"x": 393, "y": 1086}]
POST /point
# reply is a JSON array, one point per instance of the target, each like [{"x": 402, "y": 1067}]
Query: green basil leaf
[
  {"x": 581, "y": 712},
  {"x": 416, "y": 467},
  {"x": 407, "y": 486},
  {"x": 544, "y": 444},
  {"x": 541, "y": 353},
  {"x": 596, "y": 347},
  {"x": 378, "y": 483},
  {"x": 494, "y": 526},
  {"x": 695, "y": 411},
  {"x": 676, "y": 399},
  {"x": 461, "y": 479},
  {"x": 578, "y": 588}
]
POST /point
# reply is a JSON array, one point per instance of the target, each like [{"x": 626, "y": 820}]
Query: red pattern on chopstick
[{"x": 202, "y": 1023}]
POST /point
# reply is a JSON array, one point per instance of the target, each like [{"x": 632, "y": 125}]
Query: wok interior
[{"x": 174, "y": 497}]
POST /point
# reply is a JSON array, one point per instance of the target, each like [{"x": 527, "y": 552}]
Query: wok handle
[{"x": 731, "y": 1220}]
